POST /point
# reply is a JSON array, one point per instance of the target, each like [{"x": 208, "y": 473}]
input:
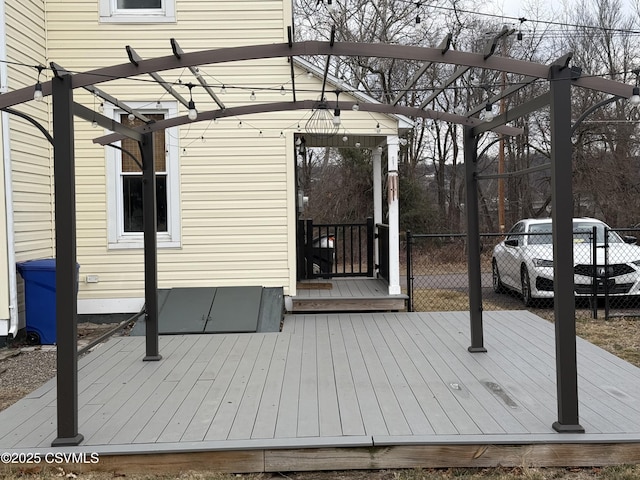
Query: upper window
[
  {"x": 137, "y": 11},
  {"x": 124, "y": 184}
]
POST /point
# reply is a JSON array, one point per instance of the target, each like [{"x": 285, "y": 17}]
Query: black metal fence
[
  {"x": 337, "y": 249},
  {"x": 517, "y": 271}
]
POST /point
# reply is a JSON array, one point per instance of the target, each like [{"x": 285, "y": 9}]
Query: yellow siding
[
  {"x": 237, "y": 192},
  {"x": 30, "y": 151}
]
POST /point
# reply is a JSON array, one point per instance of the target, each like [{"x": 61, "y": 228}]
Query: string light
[
  {"x": 240, "y": 124},
  {"x": 378, "y": 129},
  {"x": 37, "y": 92},
  {"x": 282, "y": 90},
  {"x": 223, "y": 89},
  {"x": 193, "y": 113},
  {"x": 355, "y": 107},
  {"x": 252, "y": 96}
]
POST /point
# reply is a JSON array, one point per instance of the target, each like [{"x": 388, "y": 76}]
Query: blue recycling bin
[{"x": 40, "y": 299}]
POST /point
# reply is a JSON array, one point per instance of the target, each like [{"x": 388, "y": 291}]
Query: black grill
[
  {"x": 612, "y": 289},
  {"x": 611, "y": 270}
]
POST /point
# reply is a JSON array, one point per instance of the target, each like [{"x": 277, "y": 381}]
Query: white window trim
[
  {"x": 116, "y": 237},
  {"x": 110, "y": 13}
]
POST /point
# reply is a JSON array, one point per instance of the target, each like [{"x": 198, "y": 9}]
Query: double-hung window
[
  {"x": 137, "y": 11},
  {"x": 124, "y": 183}
]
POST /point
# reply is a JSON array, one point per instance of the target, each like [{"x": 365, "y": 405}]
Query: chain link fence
[{"x": 517, "y": 271}]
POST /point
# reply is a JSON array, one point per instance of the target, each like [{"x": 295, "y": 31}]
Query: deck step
[{"x": 345, "y": 304}]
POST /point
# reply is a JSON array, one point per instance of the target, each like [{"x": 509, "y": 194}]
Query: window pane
[
  {"x": 159, "y": 155},
  {"x": 135, "y": 4},
  {"x": 132, "y": 203}
]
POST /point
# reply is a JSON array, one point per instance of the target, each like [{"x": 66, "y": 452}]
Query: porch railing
[
  {"x": 337, "y": 249},
  {"x": 383, "y": 250}
]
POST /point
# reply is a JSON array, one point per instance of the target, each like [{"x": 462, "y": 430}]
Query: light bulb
[
  {"x": 101, "y": 107},
  {"x": 336, "y": 116},
  {"x": 193, "y": 113},
  {"x": 357, "y": 144},
  {"x": 282, "y": 90},
  {"x": 261, "y": 134},
  {"x": 633, "y": 100},
  {"x": 131, "y": 117},
  {"x": 378, "y": 129},
  {"x": 223, "y": 89},
  {"x": 281, "y": 134},
  {"x": 252, "y": 96},
  {"x": 345, "y": 139},
  {"x": 94, "y": 124},
  {"x": 356, "y": 107},
  {"x": 37, "y": 93},
  {"x": 488, "y": 114},
  {"x": 158, "y": 105},
  {"x": 240, "y": 124},
  {"x": 309, "y": 75}
]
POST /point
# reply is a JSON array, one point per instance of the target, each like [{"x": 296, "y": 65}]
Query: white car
[{"x": 523, "y": 261}]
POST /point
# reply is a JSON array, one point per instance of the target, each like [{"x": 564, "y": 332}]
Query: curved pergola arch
[{"x": 559, "y": 75}]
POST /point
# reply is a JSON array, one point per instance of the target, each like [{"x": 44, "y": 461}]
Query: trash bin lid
[{"x": 42, "y": 264}]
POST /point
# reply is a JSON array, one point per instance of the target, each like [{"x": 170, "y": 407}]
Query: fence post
[
  {"x": 594, "y": 255},
  {"x": 370, "y": 229},
  {"x": 606, "y": 273},
  {"x": 409, "y": 272},
  {"x": 308, "y": 235}
]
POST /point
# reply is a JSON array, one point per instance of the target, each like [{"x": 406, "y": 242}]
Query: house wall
[
  {"x": 236, "y": 187},
  {"x": 29, "y": 152}
]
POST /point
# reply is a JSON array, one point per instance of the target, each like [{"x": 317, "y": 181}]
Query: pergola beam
[
  {"x": 308, "y": 105},
  {"x": 105, "y": 96},
  {"x": 444, "y": 47},
  {"x": 135, "y": 59},
  {"x": 310, "y": 48},
  {"x": 178, "y": 52}
]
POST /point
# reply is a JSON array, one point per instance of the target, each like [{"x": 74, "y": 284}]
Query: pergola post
[
  {"x": 560, "y": 78},
  {"x": 473, "y": 241},
  {"x": 150, "y": 248},
  {"x": 66, "y": 263}
]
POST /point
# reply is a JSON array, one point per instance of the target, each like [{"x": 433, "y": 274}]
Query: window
[
  {"x": 137, "y": 11},
  {"x": 124, "y": 183}
]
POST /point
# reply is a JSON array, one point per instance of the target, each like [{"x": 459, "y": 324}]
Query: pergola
[{"x": 560, "y": 76}]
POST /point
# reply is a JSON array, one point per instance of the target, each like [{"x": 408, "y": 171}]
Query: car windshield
[{"x": 582, "y": 233}]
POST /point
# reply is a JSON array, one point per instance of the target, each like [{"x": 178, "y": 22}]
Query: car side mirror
[
  {"x": 630, "y": 239},
  {"x": 511, "y": 242}
]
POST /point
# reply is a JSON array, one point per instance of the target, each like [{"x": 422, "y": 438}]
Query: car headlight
[{"x": 541, "y": 262}]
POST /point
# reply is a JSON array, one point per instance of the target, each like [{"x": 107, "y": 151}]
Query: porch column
[
  {"x": 377, "y": 197},
  {"x": 394, "y": 215}
]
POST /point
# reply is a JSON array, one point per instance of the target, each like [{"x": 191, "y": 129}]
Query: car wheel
[
  {"x": 526, "y": 286},
  {"x": 498, "y": 286}
]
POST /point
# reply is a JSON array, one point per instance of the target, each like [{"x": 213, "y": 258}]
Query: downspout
[{"x": 8, "y": 186}]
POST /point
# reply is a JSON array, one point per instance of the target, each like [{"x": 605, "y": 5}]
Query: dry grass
[{"x": 624, "y": 472}]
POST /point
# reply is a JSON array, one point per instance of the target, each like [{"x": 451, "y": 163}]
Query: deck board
[{"x": 334, "y": 380}]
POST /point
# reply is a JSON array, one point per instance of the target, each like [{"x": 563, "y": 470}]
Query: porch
[
  {"x": 347, "y": 391},
  {"x": 346, "y": 294}
]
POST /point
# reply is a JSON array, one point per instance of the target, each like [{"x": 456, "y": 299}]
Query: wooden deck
[
  {"x": 340, "y": 391},
  {"x": 352, "y": 294}
]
